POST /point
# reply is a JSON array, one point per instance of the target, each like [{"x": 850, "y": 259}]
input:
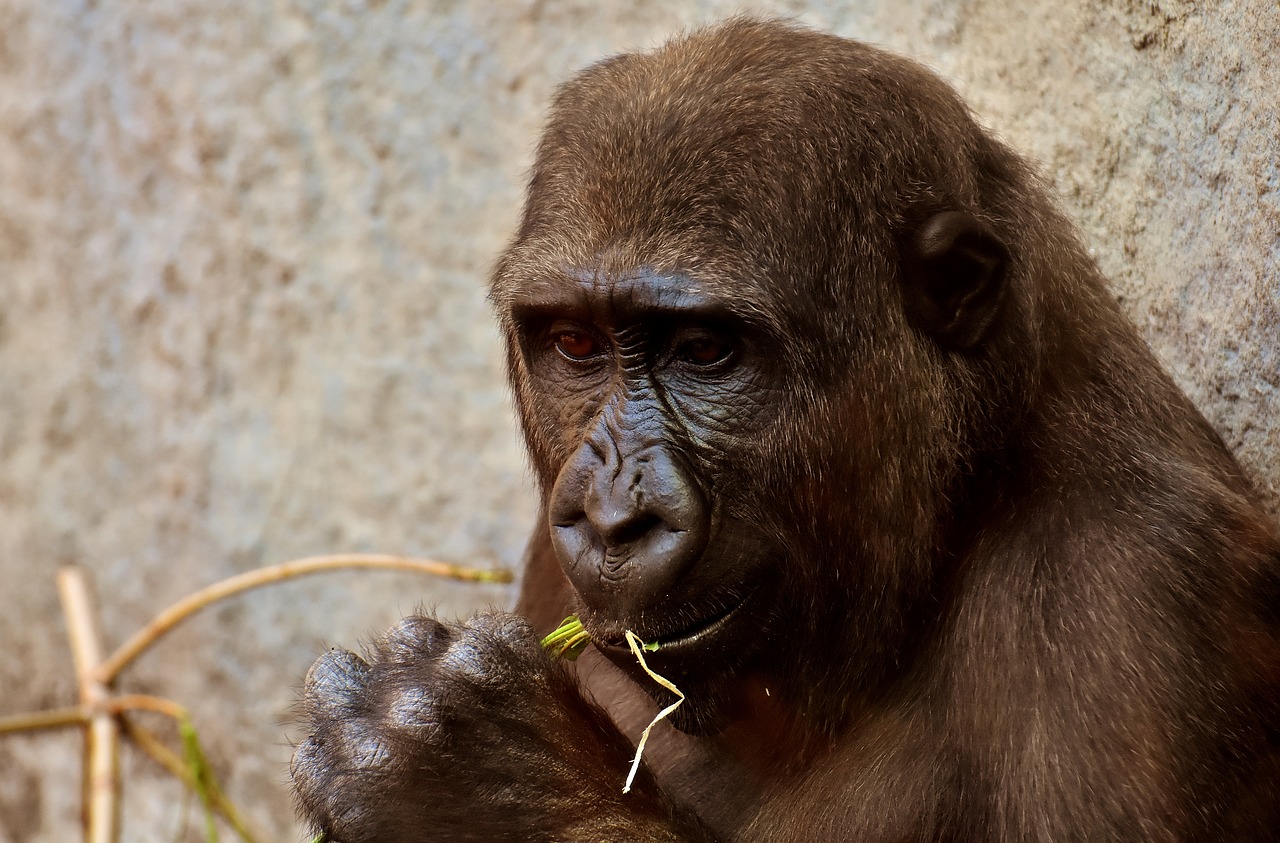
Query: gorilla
[{"x": 828, "y": 403}]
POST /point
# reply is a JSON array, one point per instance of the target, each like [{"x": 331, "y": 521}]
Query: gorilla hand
[{"x": 465, "y": 732}]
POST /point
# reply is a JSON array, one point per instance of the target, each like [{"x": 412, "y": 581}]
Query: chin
[{"x": 704, "y": 658}]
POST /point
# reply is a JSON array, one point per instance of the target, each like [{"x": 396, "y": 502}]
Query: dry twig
[{"x": 102, "y": 714}]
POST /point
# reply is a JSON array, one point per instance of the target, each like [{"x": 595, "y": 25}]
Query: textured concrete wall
[{"x": 242, "y": 319}]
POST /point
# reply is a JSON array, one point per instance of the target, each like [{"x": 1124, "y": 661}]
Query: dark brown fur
[{"x": 1021, "y": 588}]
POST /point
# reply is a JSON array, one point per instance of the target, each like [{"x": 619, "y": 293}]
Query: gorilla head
[{"x": 766, "y": 310}]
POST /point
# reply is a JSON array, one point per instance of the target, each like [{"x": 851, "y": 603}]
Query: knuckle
[
  {"x": 510, "y": 635},
  {"x": 491, "y": 653},
  {"x": 413, "y": 709},
  {"x": 335, "y": 679},
  {"x": 412, "y": 639},
  {"x": 329, "y": 762},
  {"x": 367, "y": 750},
  {"x": 490, "y": 650},
  {"x": 308, "y": 767},
  {"x": 471, "y": 660},
  {"x": 501, "y": 625}
]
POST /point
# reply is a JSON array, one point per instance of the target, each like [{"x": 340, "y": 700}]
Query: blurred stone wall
[{"x": 243, "y": 249}]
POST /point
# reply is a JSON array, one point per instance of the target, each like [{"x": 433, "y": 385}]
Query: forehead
[
  {"x": 756, "y": 164},
  {"x": 624, "y": 293}
]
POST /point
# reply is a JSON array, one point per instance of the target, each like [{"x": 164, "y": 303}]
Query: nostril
[
  {"x": 619, "y": 511},
  {"x": 622, "y": 527}
]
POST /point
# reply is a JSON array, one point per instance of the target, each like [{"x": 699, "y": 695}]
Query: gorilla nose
[
  {"x": 626, "y": 529},
  {"x": 618, "y": 512}
]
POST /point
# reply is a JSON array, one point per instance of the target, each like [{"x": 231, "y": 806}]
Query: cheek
[
  {"x": 729, "y": 446},
  {"x": 724, "y": 416}
]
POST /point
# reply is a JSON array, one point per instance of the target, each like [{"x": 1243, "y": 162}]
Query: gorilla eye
[
  {"x": 704, "y": 350},
  {"x": 576, "y": 344}
]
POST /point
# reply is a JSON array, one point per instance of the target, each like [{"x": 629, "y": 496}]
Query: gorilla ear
[{"x": 953, "y": 279}]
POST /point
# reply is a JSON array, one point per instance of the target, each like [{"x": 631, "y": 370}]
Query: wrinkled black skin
[{"x": 826, "y": 397}]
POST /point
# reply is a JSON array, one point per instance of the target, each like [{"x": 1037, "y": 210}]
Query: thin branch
[
  {"x": 259, "y": 577},
  {"x": 52, "y": 719},
  {"x": 147, "y": 702},
  {"x": 103, "y": 749}
]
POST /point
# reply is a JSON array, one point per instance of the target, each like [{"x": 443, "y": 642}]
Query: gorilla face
[
  {"x": 667, "y": 407},
  {"x": 653, "y": 387}
]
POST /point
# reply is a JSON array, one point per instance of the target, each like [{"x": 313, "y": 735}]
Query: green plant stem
[{"x": 145, "y": 740}]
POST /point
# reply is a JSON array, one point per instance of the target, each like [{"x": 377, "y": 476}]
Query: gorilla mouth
[{"x": 689, "y": 637}]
